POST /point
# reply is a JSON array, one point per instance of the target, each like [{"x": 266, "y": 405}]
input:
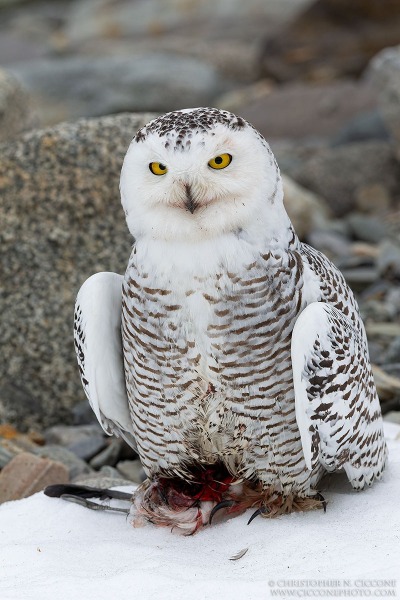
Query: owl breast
[{"x": 207, "y": 364}]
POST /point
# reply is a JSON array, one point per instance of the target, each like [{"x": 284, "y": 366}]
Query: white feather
[
  {"x": 100, "y": 303},
  {"x": 312, "y": 321}
]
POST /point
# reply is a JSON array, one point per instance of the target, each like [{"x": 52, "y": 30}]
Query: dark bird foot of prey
[
  {"x": 187, "y": 505},
  {"x": 79, "y": 494}
]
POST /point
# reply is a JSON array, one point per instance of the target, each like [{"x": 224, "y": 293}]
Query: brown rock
[
  {"x": 342, "y": 173},
  {"x": 332, "y": 38},
  {"x": 372, "y": 198},
  {"x": 27, "y": 474},
  {"x": 384, "y": 73},
  {"x": 299, "y": 110}
]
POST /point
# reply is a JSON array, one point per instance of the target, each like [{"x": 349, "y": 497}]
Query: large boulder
[{"x": 61, "y": 221}]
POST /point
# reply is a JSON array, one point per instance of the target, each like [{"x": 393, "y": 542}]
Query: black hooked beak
[{"x": 190, "y": 202}]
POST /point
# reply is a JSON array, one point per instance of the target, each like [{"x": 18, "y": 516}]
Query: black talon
[
  {"x": 260, "y": 511},
  {"x": 217, "y": 507},
  {"x": 84, "y": 491},
  {"x": 320, "y": 497},
  {"x": 92, "y": 505}
]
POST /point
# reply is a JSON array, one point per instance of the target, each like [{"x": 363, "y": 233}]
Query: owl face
[{"x": 197, "y": 174}]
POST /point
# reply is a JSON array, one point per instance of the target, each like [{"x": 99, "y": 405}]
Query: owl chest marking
[{"x": 230, "y": 329}]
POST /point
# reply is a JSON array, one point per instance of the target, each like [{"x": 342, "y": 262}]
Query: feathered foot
[
  {"x": 187, "y": 506},
  {"x": 281, "y": 505}
]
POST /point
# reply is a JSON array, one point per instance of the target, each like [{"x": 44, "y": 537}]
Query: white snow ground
[{"x": 50, "y": 549}]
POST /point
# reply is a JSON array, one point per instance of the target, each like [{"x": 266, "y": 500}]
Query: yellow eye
[
  {"x": 220, "y": 162},
  {"x": 158, "y": 168}
]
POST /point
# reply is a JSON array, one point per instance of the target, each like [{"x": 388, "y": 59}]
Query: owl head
[{"x": 200, "y": 173}]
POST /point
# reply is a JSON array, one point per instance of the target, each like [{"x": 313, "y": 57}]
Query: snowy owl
[{"x": 231, "y": 355}]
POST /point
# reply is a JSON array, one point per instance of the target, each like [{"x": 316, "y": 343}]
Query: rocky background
[{"x": 320, "y": 79}]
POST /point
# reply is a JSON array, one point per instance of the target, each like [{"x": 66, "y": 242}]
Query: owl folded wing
[
  {"x": 337, "y": 408},
  {"x": 98, "y": 345}
]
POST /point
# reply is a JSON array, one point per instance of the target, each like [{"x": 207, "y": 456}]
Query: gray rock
[
  {"x": 393, "y": 353},
  {"x": 132, "y": 469},
  {"x": 359, "y": 278},
  {"x": 61, "y": 222},
  {"x": 377, "y": 311},
  {"x": 17, "y": 404},
  {"x": 15, "y": 107},
  {"x": 101, "y": 481},
  {"x": 393, "y": 298},
  {"x": 83, "y": 413},
  {"x": 5, "y": 456},
  {"x": 307, "y": 110},
  {"x": 68, "y": 435},
  {"x": 368, "y": 125},
  {"x": 153, "y": 18},
  {"x": 108, "y": 456},
  {"x": 75, "y": 465},
  {"x": 329, "y": 242},
  {"x": 393, "y": 369},
  {"x": 366, "y": 228},
  {"x": 385, "y": 329},
  {"x": 68, "y": 88},
  {"x": 4, "y": 3},
  {"x": 384, "y": 72},
  {"x": 392, "y": 417},
  {"x": 292, "y": 154},
  {"x": 85, "y": 441},
  {"x": 338, "y": 173},
  {"x": 388, "y": 261},
  {"x": 107, "y": 471},
  {"x": 373, "y": 198},
  {"x": 88, "y": 448},
  {"x": 305, "y": 209},
  {"x": 376, "y": 349}
]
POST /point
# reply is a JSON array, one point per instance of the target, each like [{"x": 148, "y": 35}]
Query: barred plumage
[{"x": 246, "y": 362}]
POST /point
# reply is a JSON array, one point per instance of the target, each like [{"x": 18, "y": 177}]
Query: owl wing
[
  {"x": 337, "y": 407},
  {"x": 98, "y": 345}
]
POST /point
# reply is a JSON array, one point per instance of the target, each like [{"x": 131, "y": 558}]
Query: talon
[
  {"x": 263, "y": 510},
  {"x": 217, "y": 507},
  {"x": 320, "y": 497}
]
